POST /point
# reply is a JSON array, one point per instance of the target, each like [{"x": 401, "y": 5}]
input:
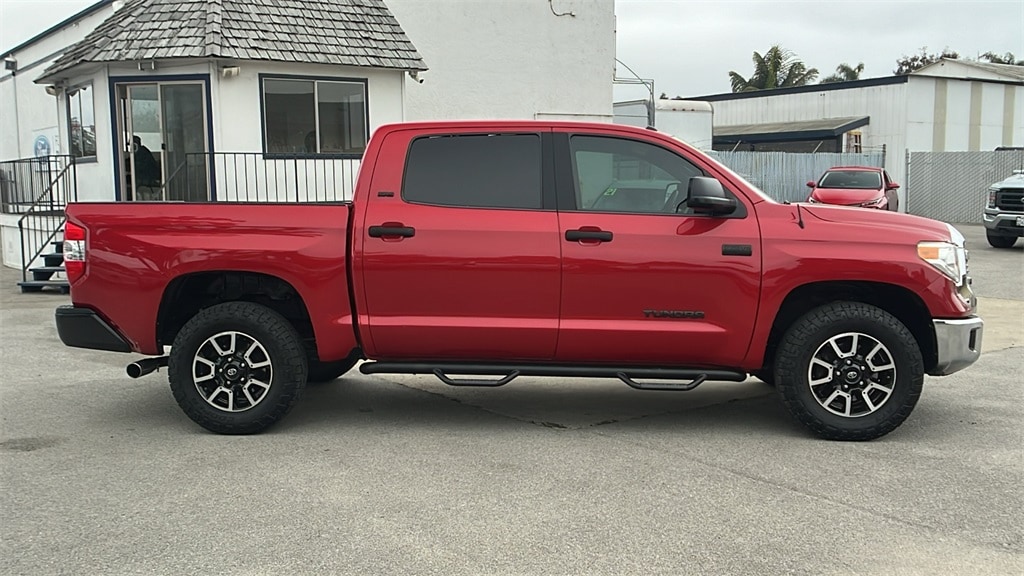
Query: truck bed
[{"x": 137, "y": 250}]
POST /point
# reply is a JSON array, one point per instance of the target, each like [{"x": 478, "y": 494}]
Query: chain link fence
[{"x": 953, "y": 186}]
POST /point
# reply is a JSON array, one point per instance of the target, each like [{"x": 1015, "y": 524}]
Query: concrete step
[
  {"x": 39, "y": 285},
  {"x": 46, "y": 272}
]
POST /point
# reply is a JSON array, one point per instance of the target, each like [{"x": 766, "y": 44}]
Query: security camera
[
  {"x": 11, "y": 63},
  {"x": 415, "y": 75}
]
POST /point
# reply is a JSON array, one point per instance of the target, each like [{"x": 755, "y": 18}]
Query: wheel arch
[
  {"x": 901, "y": 302},
  {"x": 188, "y": 294}
]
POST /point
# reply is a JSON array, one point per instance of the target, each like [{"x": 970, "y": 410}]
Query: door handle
[
  {"x": 392, "y": 231},
  {"x": 592, "y": 235}
]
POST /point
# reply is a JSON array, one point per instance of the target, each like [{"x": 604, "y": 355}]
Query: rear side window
[{"x": 475, "y": 170}]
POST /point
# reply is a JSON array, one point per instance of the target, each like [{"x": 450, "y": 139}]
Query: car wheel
[
  {"x": 237, "y": 368},
  {"x": 320, "y": 372},
  {"x": 1000, "y": 241},
  {"x": 849, "y": 371}
]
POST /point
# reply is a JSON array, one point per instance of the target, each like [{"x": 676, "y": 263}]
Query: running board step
[{"x": 679, "y": 379}]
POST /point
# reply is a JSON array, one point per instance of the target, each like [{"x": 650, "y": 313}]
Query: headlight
[
  {"x": 874, "y": 202},
  {"x": 992, "y": 198},
  {"x": 946, "y": 257},
  {"x": 811, "y": 200}
]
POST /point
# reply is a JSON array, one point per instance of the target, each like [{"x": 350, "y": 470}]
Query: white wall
[
  {"x": 631, "y": 113},
  {"x": 950, "y": 115},
  {"x": 510, "y": 58},
  {"x": 236, "y": 99},
  {"x": 36, "y": 110}
]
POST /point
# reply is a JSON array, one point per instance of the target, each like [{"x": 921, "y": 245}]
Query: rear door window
[{"x": 475, "y": 171}]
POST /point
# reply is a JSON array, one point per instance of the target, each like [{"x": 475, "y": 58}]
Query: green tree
[
  {"x": 845, "y": 73},
  {"x": 778, "y": 68},
  {"x": 907, "y": 64},
  {"x": 1007, "y": 58}
]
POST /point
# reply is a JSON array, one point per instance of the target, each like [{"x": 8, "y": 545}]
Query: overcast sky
[{"x": 689, "y": 46}]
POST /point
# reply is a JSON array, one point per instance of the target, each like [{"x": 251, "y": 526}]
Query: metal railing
[
  {"x": 256, "y": 177},
  {"x": 26, "y": 181},
  {"x": 42, "y": 218}
]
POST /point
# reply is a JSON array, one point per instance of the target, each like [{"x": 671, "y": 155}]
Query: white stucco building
[{"x": 244, "y": 100}]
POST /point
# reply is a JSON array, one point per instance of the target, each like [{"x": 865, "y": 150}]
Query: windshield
[{"x": 857, "y": 179}]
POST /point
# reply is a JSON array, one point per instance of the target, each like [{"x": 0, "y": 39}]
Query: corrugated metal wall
[
  {"x": 783, "y": 175},
  {"x": 953, "y": 186}
]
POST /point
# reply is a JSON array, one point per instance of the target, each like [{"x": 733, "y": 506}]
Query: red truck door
[
  {"x": 458, "y": 249},
  {"x": 641, "y": 282}
]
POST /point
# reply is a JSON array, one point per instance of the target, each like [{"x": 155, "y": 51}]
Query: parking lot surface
[{"x": 100, "y": 474}]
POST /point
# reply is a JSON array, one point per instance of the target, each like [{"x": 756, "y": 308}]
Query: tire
[
  {"x": 262, "y": 368},
  {"x": 321, "y": 372},
  {"x": 1000, "y": 241},
  {"x": 817, "y": 344}
]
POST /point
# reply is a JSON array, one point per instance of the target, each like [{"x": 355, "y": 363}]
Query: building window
[
  {"x": 81, "y": 122},
  {"x": 314, "y": 117}
]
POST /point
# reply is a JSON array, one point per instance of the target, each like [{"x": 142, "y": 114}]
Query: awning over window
[{"x": 823, "y": 129}]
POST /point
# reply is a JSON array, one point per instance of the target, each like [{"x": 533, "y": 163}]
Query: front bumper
[
  {"x": 83, "y": 328},
  {"x": 958, "y": 344},
  {"x": 1004, "y": 223}
]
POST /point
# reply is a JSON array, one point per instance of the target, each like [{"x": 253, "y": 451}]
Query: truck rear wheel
[
  {"x": 1000, "y": 241},
  {"x": 849, "y": 371},
  {"x": 237, "y": 368}
]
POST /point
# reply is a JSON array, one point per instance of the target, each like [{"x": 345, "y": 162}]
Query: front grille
[{"x": 1011, "y": 199}]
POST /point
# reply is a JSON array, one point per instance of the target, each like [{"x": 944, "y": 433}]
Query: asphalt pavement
[{"x": 100, "y": 474}]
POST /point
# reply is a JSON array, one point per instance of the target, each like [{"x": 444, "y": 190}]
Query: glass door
[
  {"x": 184, "y": 125},
  {"x": 162, "y": 137},
  {"x": 141, "y": 138}
]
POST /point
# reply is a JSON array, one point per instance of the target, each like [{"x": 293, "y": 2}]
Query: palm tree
[
  {"x": 845, "y": 73},
  {"x": 778, "y": 68}
]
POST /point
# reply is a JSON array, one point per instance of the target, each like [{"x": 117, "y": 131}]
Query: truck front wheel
[
  {"x": 237, "y": 368},
  {"x": 999, "y": 240},
  {"x": 849, "y": 371}
]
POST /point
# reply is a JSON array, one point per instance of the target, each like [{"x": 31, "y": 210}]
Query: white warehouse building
[{"x": 950, "y": 105}]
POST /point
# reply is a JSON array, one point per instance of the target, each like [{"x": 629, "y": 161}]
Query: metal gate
[{"x": 953, "y": 186}]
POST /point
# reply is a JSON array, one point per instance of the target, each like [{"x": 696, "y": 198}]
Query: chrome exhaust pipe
[{"x": 145, "y": 366}]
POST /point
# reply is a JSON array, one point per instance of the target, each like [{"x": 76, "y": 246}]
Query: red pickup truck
[{"x": 483, "y": 251}]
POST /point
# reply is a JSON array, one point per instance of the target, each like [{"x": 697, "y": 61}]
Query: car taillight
[{"x": 74, "y": 251}]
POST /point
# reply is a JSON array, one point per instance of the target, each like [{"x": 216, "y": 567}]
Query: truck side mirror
[{"x": 706, "y": 196}]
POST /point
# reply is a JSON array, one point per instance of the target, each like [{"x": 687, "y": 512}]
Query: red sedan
[{"x": 862, "y": 186}]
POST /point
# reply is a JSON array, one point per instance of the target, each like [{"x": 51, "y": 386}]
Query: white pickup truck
[{"x": 1004, "y": 211}]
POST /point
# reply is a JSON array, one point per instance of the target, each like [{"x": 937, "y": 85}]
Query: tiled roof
[{"x": 342, "y": 32}]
